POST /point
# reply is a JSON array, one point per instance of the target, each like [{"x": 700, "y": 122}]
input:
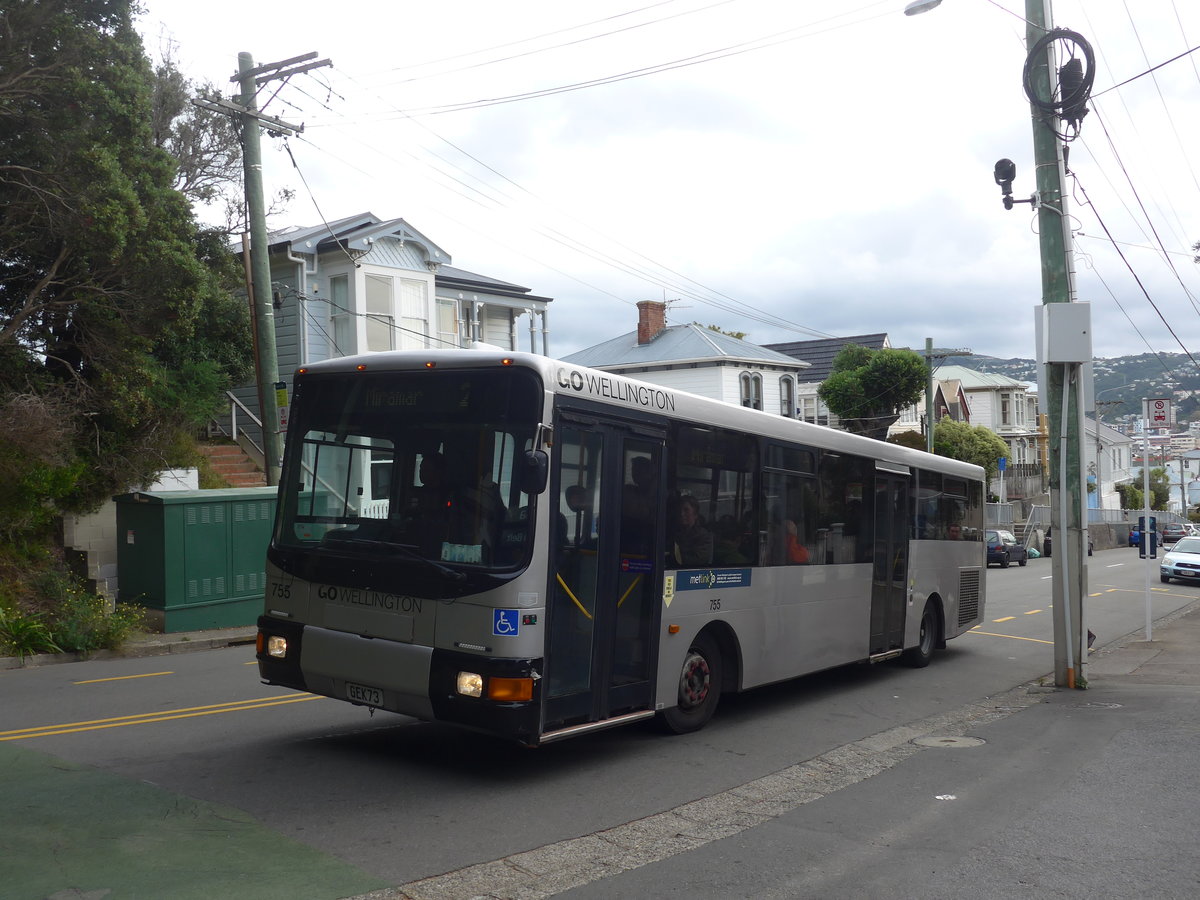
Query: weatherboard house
[
  {"x": 363, "y": 284},
  {"x": 699, "y": 360}
]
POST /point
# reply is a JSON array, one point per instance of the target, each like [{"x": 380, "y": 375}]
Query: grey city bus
[{"x": 533, "y": 549}]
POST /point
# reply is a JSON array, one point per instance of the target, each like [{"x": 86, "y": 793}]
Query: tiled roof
[{"x": 819, "y": 354}]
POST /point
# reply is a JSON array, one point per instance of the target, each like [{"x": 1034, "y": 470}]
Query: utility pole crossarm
[
  {"x": 288, "y": 73},
  {"x": 243, "y": 74},
  {"x": 230, "y": 108}
]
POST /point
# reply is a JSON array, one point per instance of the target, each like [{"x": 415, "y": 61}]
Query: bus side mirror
[{"x": 534, "y": 472}]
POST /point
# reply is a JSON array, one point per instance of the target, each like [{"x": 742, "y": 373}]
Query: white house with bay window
[{"x": 363, "y": 285}]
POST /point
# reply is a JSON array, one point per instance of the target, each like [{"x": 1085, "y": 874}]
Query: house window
[
  {"x": 413, "y": 314},
  {"x": 447, "y": 323},
  {"x": 1006, "y": 417},
  {"x": 751, "y": 384},
  {"x": 380, "y": 322},
  {"x": 806, "y": 409},
  {"x": 339, "y": 312},
  {"x": 787, "y": 397}
]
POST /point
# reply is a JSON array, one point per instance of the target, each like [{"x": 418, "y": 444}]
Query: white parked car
[{"x": 1182, "y": 561}]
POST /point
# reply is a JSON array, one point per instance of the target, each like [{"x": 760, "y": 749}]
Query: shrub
[
  {"x": 81, "y": 621},
  {"x": 24, "y": 634}
]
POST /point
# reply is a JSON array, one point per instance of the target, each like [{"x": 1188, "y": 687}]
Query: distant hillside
[{"x": 1121, "y": 382}]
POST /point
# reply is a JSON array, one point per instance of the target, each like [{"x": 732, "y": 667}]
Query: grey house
[{"x": 362, "y": 285}]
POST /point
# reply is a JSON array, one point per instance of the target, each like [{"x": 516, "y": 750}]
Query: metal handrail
[{"x": 234, "y": 405}]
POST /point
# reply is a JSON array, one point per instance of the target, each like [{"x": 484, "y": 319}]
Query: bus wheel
[
  {"x": 919, "y": 656},
  {"x": 699, "y": 687}
]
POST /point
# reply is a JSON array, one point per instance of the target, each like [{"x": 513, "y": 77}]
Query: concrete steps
[{"x": 228, "y": 461}]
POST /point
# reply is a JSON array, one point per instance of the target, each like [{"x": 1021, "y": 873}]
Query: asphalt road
[{"x": 326, "y": 801}]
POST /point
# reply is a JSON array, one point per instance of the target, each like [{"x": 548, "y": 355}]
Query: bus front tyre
[
  {"x": 920, "y": 656},
  {"x": 699, "y": 687}
]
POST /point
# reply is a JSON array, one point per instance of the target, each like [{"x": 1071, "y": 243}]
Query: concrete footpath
[{"x": 145, "y": 645}]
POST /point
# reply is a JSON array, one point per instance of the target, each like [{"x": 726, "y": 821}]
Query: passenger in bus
[
  {"x": 785, "y": 543},
  {"x": 797, "y": 553},
  {"x": 693, "y": 543},
  {"x": 954, "y": 531}
]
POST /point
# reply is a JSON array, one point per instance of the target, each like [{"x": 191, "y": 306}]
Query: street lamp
[{"x": 921, "y": 6}]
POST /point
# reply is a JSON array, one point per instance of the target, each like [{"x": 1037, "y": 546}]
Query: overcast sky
[{"x": 787, "y": 169}]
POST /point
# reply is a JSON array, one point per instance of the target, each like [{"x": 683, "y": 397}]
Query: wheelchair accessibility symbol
[{"x": 506, "y": 622}]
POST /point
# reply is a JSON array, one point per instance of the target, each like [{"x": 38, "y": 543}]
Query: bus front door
[
  {"x": 606, "y": 574},
  {"x": 890, "y": 571}
]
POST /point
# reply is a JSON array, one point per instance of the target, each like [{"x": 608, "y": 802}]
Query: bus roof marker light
[
  {"x": 361, "y": 367},
  {"x": 507, "y": 361},
  {"x": 431, "y": 364}
]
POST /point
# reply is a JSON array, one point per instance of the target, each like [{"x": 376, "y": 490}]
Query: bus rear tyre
[
  {"x": 699, "y": 687},
  {"x": 920, "y": 656}
]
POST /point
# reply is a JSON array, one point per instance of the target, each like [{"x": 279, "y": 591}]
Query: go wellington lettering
[
  {"x": 375, "y": 599},
  {"x": 610, "y": 389}
]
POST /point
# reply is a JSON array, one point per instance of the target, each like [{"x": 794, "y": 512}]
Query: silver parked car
[{"x": 1182, "y": 561}]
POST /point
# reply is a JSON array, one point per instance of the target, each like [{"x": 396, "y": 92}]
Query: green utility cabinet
[{"x": 195, "y": 559}]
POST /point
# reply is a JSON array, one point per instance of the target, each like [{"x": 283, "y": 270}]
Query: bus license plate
[{"x": 368, "y": 696}]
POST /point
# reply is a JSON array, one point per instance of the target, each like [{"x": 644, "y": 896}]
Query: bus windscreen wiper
[{"x": 410, "y": 552}]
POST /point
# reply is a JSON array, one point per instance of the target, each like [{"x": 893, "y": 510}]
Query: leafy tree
[
  {"x": 868, "y": 388},
  {"x": 1160, "y": 489},
  {"x": 970, "y": 443},
  {"x": 1131, "y": 496},
  {"x": 203, "y": 143},
  {"x": 912, "y": 439},
  {"x": 117, "y": 329}
]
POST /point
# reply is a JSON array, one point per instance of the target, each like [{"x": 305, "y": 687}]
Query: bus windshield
[{"x": 418, "y": 467}]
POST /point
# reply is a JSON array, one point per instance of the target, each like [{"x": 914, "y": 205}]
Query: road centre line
[
  {"x": 1032, "y": 612},
  {"x": 150, "y": 718},
  {"x": 1005, "y": 619},
  {"x": 1015, "y": 637},
  {"x": 122, "y": 677}
]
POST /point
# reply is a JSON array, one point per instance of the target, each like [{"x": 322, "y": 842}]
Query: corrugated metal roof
[
  {"x": 675, "y": 344},
  {"x": 355, "y": 232},
  {"x": 972, "y": 380}
]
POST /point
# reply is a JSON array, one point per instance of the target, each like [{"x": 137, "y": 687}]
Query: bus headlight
[
  {"x": 277, "y": 646},
  {"x": 470, "y": 684}
]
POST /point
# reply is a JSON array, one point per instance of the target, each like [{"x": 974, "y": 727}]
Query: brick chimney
[{"x": 652, "y": 319}]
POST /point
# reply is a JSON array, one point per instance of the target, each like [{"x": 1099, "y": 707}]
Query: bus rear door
[{"x": 890, "y": 571}]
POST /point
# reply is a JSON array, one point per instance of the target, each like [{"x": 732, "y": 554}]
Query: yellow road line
[
  {"x": 149, "y": 718},
  {"x": 1013, "y": 636},
  {"x": 1005, "y": 619},
  {"x": 1032, "y": 612},
  {"x": 122, "y": 677}
]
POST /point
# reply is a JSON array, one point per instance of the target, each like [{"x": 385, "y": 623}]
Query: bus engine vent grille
[{"x": 968, "y": 595}]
